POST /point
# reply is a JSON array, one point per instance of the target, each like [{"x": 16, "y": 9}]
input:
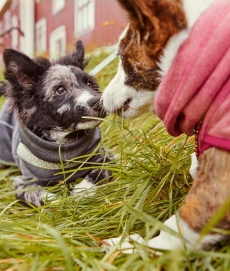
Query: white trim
[
  {"x": 84, "y": 17},
  {"x": 14, "y": 33},
  {"x": 27, "y": 18},
  {"x": 57, "y": 36},
  {"x": 7, "y": 20},
  {"x": 41, "y": 32},
  {"x": 57, "y": 5}
]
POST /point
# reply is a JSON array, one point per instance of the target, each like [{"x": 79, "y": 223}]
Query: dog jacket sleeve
[
  {"x": 7, "y": 126},
  {"x": 9, "y": 141}
]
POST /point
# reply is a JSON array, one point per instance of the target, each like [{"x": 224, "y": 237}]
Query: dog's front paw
[
  {"x": 167, "y": 240},
  {"x": 164, "y": 241},
  {"x": 85, "y": 186},
  {"x": 50, "y": 198},
  {"x": 127, "y": 245},
  {"x": 28, "y": 192}
]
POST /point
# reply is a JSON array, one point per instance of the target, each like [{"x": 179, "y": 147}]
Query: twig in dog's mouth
[{"x": 90, "y": 123}]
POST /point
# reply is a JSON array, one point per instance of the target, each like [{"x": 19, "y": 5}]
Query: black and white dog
[{"x": 41, "y": 124}]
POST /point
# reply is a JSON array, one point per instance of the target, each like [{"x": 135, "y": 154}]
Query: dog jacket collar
[
  {"x": 42, "y": 158},
  {"x": 30, "y": 158},
  {"x": 197, "y": 86}
]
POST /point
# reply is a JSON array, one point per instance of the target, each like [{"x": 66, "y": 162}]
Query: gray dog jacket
[{"x": 41, "y": 159}]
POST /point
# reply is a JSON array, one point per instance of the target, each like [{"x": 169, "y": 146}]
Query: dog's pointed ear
[
  {"x": 22, "y": 70},
  {"x": 143, "y": 12},
  {"x": 136, "y": 17},
  {"x": 79, "y": 54},
  {"x": 76, "y": 58},
  {"x": 155, "y": 20}
]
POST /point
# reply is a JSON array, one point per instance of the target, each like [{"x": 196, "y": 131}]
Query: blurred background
[{"x": 50, "y": 27}]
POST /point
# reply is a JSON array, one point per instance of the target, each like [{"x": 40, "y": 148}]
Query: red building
[{"x": 52, "y": 26}]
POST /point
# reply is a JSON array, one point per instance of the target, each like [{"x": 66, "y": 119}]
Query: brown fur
[
  {"x": 141, "y": 70},
  {"x": 144, "y": 42},
  {"x": 157, "y": 22},
  {"x": 209, "y": 191}
]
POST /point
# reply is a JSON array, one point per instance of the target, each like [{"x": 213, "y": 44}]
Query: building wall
[
  {"x": 44, "y": 9},
  {"x": 96, "y": 22},
  {"x": 110, "y": 20},
  {"x": 12, "y": 39}
]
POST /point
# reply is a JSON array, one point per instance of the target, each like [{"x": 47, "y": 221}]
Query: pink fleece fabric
[{"x": 197, "y": 86}]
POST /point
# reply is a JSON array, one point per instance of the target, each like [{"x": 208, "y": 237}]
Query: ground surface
[{"x": 150, "y": 180}]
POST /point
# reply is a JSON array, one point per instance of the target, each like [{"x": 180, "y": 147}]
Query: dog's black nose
[{"x": 94, "y": 102}]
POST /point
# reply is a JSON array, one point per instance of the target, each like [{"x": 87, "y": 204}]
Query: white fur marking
[
  {"x": 83, "y": 98},
  {"x": 58, "y": 135},
  {"x": 48, "y": 197},
  {"x": 194, "y": 166},
  {"x": 117, "y": 93},
  {"x": 63, "y": 108},
  {"x": 84, "y": 186},
  {"x": 166, "y": 241},
  {"x": 125, "y": 246}
]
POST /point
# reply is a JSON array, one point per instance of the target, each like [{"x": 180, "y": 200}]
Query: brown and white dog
[{"x": 158, "y": 34}]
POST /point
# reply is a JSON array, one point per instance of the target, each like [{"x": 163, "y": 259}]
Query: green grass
[{"x": 150, "y": 180}]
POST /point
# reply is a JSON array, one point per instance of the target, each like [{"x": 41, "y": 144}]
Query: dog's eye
[
  {"x": 89, "y": 84},
  {"x": 60, "y": 90}
]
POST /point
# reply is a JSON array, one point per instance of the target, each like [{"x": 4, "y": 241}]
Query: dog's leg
[
  {"x": 35, "y": 197},
  {"x": 90, "y": 180},
  {"x": 94, "y": 176},
  {"x": 210, "y": 190}
]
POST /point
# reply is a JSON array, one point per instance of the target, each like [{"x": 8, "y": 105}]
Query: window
[
  {"x": 14, "y": 33},
  {"x": 85, "y": 16},
  {"x": 41, "y": 36},
  {"x": 58, "y": 42},
  {"x": 7, "y": 20},
  {"x": 57, "y": 5}
]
